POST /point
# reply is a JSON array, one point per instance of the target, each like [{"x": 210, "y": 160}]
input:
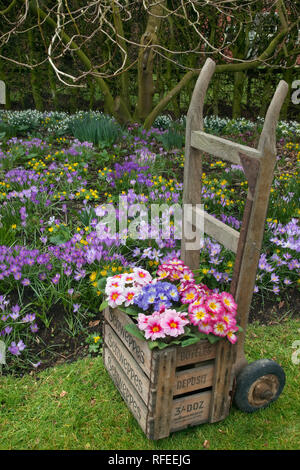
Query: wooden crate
[{"x": 166, "y": 390}]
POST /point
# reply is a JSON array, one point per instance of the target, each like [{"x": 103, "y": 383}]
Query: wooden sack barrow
[{"x": 172, "y": 389}]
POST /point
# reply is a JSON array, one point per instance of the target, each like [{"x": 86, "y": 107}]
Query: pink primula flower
[
  {"x": 129, "y": 294},
  {"x": 227, "y": 318},
  {"x": 205, "y": 327},
  {"x": 154, "y": 328},
  {"x": 214, "y": 305},
  {"x": 163, "y": 273},
  {"x": 189, "y": 295},
  {"x": 220, "y": 328},
  {"x": 228, "y": 302},
  {"x": 115, "y": 298},
  {"x": 142, "y": 276},
  {"x": 199, "y": 314},
  {"x": 231, "y": 336},
  {"x": 143, "y": 321},
  {"x": 173, "y": 323},
  {"x": 187, "y": 276}
]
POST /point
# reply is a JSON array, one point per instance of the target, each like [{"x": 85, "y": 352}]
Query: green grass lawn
[{"x": 76, "y": 406}]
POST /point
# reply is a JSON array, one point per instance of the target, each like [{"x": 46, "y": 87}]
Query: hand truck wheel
[{"x": 258, "y": 384}]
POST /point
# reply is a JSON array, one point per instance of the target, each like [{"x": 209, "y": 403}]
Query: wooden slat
[
  {"x": 127, "y": 363},
  {"x": 255, "y": 231},
  {"x": 138, "y": 348},
  {"x": 222, "y": 233},
  {"x": 129, "y": 394},
  {"x": 189, "y": 380},
  {"x": 199, "y": 352},
  {"x": 160, "y": 410},
  {"x": 2, "y": 92},
  {"x": 223, "y": 381},
  {"x": 221, "y": 148},
  {"x": 190, "y": 410},
  {"x": 192, "y": 163}
]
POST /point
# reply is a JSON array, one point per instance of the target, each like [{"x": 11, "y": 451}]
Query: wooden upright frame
[{"x": 258, "y": 165}]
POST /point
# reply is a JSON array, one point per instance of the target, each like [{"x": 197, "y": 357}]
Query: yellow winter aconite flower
[{"x": 93, "y": 276}]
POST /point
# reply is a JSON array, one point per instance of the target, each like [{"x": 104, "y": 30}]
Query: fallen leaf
[
  {"x": 94, "y": 323},
  {"x": 63, "y": 393},
  {"x": 93, "y": 401},
  {"x": 206, "y": 444},
  {"x": 281, "y": 304}
]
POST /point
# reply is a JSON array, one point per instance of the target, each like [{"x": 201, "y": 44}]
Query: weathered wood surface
[
  {"x": 149, "y": 386},
  {"x": 132, "y": 370},
  {"x": 222, "y": 148},
  {"x": 138, "y": 348},
  {"x": 190, "y": 410},
  {"x": 159, "y": 418},
  {"x": 199, "y": 352},
  {"x": 215, "y": 228},
  {"x": 196, "y": 378},
  {"x": 193, "y": 164},
  {"x": 256, "y": 223},
  {"x": 127, "y": 391},
  {"x": 227, "y": 236},
  {"x": 2, "y": 93},
  {"x": 222, "y": 381}
]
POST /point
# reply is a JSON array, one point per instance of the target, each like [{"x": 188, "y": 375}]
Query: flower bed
[{"x": 52, "y": 263}]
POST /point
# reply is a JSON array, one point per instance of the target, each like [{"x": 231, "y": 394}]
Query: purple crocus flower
[
  {"x": 30, "y": 317},
  {"x": 15, "y": 312},
  {"x": 76, "y": 307},
  {"x": 16, "y": 349},
  {"x": 34, "y": 328},
  {"x": 56, "y": 278}
]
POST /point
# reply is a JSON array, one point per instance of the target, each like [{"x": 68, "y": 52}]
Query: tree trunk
[
  {"x": 145, "y": 62},
  {"x": 124, "y": 78},
  {"x": 167, "y": 98},
  {"x": 52, "y": 83},
  {"x": 238, "y": 90},
  {"x": 34, "y": 76},
  {"x": 288, "y": 77}
]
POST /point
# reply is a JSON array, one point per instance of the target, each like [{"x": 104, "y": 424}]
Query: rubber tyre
[{"x": 258, "y": 384}]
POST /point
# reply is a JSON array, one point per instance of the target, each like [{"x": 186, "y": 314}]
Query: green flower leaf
[
  {"x": 103, "y": 305},
  {"x": 135, "y": 331},
  {"x": 130, "y": 311}
]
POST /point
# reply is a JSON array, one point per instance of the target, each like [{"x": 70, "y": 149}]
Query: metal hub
[{"x": 263, "y": 390}]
